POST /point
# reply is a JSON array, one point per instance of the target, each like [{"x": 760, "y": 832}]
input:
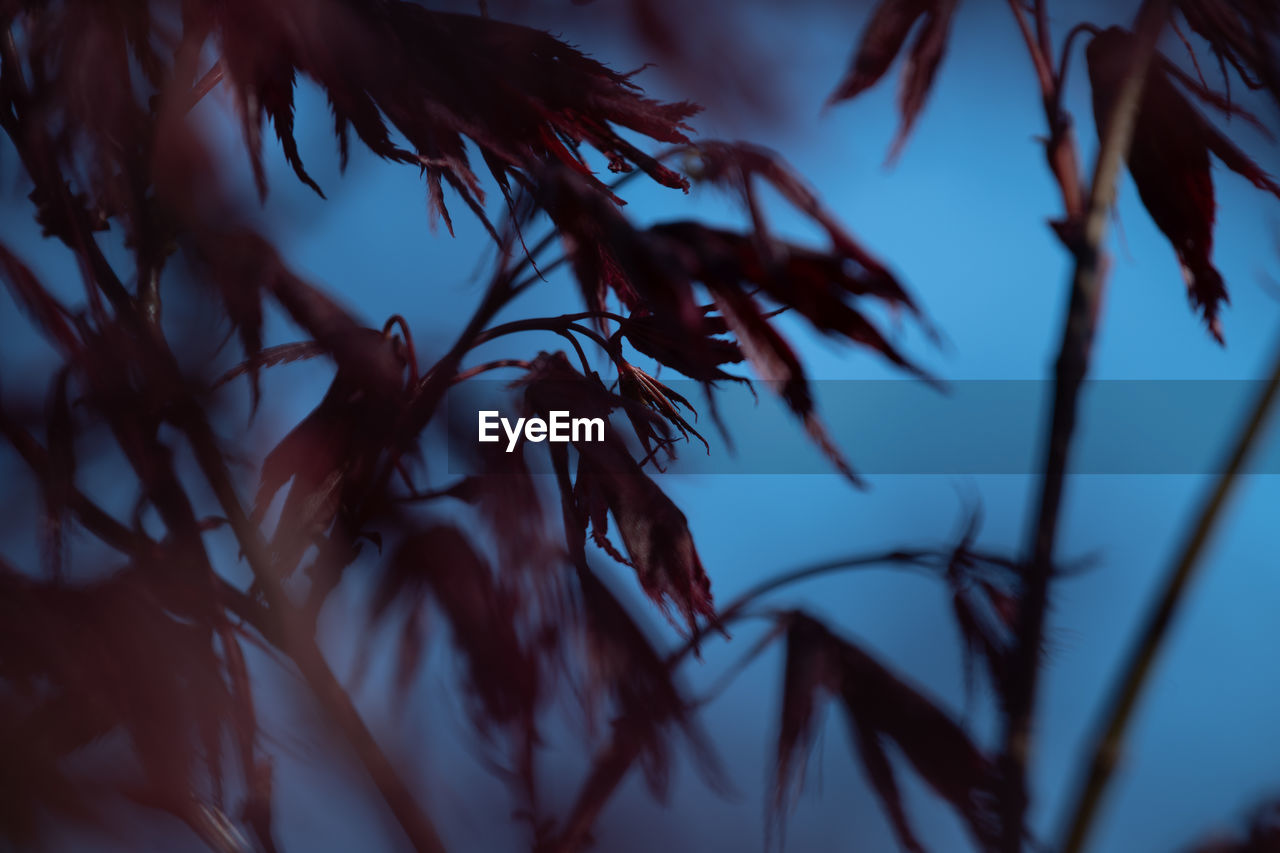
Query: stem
[
  {"x": 749, "y": 597},
  {"x": 611, "y": 764},
  {"x": 300, "y": 645},
  {"x": 1140, "y": 663},
  {"x": 1071, "y": 369},
  {"x": 497, "y": 364}
]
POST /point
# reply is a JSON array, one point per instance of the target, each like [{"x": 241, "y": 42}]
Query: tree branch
[
  {"x": 1140, "y": 663},
  {"x": 1071, "y": 369}
]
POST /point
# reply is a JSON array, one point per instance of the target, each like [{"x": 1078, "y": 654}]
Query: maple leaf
[
  {"x": 521, "y": 96},
  {"x": 501, "y": 673},
  {"x": 1242, "y": 34},
  {"x": 624, "y": 666},
  {"x": 1169, "y": 161},
  {"x": 738, "y": 166},
  {"x": 653, "y": 530},
  {"x": 882, "y": 41},
  {"x": 131, "y": 657},
  {"x": 878, "y": 706}
]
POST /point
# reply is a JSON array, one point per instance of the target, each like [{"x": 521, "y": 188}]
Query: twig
[
  {"x": 1072, "y": 366},
  {"x": 300, "y": 645},
  {"x": 731, "y": 611},
  {"x": 1139, "y": 665},
  {"x": 611, "y": 764}
]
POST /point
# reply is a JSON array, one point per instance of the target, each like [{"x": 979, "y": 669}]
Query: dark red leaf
[
  {"x": 737, "y": 166},
  {"x": 1169, "y": 161},
  {"x": 1241, "y": 33},
  {"x": 501, "y": 672},
  {"x": 48, "y": 314},
  {"x": 880, "y": 706},
  {"x": 882, "y": 41},
  {"x": 624, "y": 665},
  {"x": 520, "y": 95}
]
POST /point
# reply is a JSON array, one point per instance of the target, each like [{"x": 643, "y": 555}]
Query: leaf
[
  {"x": 553, "y": 384},
  {"x": 882, "y": 41},
  {"x": 524, "y": 98},
  {"x": 879, "y": 707},
  {"x": 500, "y": 672},
  {"x": 634, "y": 384},
  {"x": 130, "y": 657},
  {"x": 270, "y": 357},
  {"x": 737, "y": 166},
  {"x": 1169, "y": 161},
  {"x": 699, "y": 357},
  {"x": 817, "y": 285},
  {"x": 624, "y": 665},
  {"x": 653, "y": 530},
  {"x": 1241, "y": 33},
  {"x": 48, "y": 314}
]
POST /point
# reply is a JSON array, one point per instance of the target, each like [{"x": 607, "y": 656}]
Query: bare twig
[
  {"x": 1140, "y": 663},
  {"x": 1072, "y": 366}
]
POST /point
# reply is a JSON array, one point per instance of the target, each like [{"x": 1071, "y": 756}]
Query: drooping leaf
[
  {"x": 521, "y": 96},
  {"x": 624, "y": 666},
  {"x": 500, "y": 672},
  {"x": 879, "y": 707},
  {"x": 1242, "y": 34},
  {"x": 654, "y": 532},
  {"x": 882, "y": 41},
  {"x": 737, "y": 166},
  {"x": 1169, "y": 161}
]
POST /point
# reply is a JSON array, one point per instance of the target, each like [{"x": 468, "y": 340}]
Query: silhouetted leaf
[
  {"x": 879, "y": 706},
  {"x": 1241, "y": 33},
  {"x": 500, "y": 672},
  {"x": 1169, "y": 161},
  {"x": 520, "y": 95},
  {"x": 882, "y": 40}
]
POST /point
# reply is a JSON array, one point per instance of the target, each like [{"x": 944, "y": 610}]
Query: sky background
[{"x": 961, "y": 218}]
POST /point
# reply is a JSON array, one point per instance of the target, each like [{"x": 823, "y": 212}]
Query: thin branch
[
  {"x": 1071, "y": 369},
  {"x": 611, "y": 765},
  {"x": 1140, "y": 663},
  {"x": 496, "y": 364},
  {"x": 206, "y": 84},
  {"x": 901, "y": 557},
  {"x": 299, "y": 644},
  {"x": 1041, "y": 58}
]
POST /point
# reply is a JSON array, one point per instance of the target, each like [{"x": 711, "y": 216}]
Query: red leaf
[
  {"x": 500, "y": 671},
  {"x": 880, "y": 706},
  {"x": 737, "y": 165},
  {"x": 1169, "y": 161},
  {"x": 48, "y": 314},
  {"x": 520, "y": 95},
  {"x": 1241, "y": 33},
  {"x": 881, "y": 42}
]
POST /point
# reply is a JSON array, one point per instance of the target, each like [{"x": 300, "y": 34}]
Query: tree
[{"x": 153, "y": 654}]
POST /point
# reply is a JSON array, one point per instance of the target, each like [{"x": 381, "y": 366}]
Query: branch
[
  {"x": 1139, "y": 665},
  {"x": 612, "y": 763},
  {"x": 299, "y": 644},
  {"x": 1072, "y": 366},
  {"x": 1059, "y": 145}
]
